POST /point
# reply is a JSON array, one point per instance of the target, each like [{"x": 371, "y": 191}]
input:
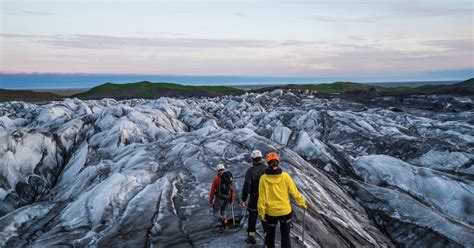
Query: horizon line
[
  {"x": 148, "y": 74},
  {"x": 329, "y": 78},
  {"x": 231, "y": 85}
]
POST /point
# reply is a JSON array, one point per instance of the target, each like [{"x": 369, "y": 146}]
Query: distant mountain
[
  {"x": 147, "y": 89},
  {"x": 336, "y": 87},
  {"x": 27, "y": 96},
  {"x": 468, "y": 83},
  {"x": 331, "y": 88},
  {"x": 461, "y": 88}
]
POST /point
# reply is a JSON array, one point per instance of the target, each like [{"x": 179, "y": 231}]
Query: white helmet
[
  {"x": 220, "y": 167},
  {"x": 256, "y": 154}
]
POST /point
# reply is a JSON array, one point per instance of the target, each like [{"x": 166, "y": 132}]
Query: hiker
[
  {"x": 252, "y": 177},
  {"x": 222, "y": 194},
  {"x": 274, "y": 191}
]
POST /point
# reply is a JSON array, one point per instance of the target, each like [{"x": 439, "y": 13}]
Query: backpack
[{"x": 225, "y": 186}]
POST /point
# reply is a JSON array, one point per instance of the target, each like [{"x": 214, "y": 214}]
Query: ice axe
[
  {"x": 233, "y": 216},
  {"x": 304, "y": 214}
]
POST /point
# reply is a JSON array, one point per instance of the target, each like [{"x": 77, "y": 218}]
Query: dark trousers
[
  {"x": 285, "y": 224},
  {"x": 253, "y": 214},
  {"x": 220, "y": 207}
]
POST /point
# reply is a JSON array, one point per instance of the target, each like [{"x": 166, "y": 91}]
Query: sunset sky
[{"x": 360, "y": 39}]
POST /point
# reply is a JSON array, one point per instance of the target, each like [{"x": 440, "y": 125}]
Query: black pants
[
  {"x": 253, "y": 214},
  {"x": 285, "y": 224},
  {"x": 220, "y": 207}
]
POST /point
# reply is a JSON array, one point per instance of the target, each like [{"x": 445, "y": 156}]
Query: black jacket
[{"x": 252, "y": 176}]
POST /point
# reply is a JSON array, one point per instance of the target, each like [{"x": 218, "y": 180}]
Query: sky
[{"x": 371, "y": 40}]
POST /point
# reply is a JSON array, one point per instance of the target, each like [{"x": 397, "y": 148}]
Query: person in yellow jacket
[{"x": 274, "y": 190}]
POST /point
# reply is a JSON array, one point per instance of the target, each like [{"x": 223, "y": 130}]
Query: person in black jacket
[{"x": 250, "y": 193}]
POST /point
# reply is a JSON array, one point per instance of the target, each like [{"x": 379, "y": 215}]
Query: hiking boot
[
  {"x": 224, "y": 222},
  {"x": 251, "y": 238}
]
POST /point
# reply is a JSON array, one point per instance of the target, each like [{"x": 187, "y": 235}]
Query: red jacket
[{"x": 215, "y": 185}]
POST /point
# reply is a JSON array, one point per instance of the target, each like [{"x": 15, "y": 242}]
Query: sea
[{"x": 82, "y": 81}]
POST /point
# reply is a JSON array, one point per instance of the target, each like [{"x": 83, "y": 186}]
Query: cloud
[
  {"x": 6, "y": 35},
  {"x": 376, "y": 59},
  {"x": 464, "y": 45},
  {"x": 160, "y": 34},
  {"x": 39, "y": 13},
  {"x": 425, "y": 10},
  {"x": 399, "y": 11},
  {"x": 30, "y": 13},
  {"x": 112, "y": 42},
  {"x": 105, "y": 41},
  {"x": 101, "y": 53},
  {"x": 311, "y": 65},
  {"x": 357, "y": 38},
  {"x": 336, "y": 19},
  {"x": 433, "y": 10},
  {"x": 297, "y": 43}
]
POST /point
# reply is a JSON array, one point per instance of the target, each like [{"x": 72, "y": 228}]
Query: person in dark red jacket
[{"x": 222, "y": 194}]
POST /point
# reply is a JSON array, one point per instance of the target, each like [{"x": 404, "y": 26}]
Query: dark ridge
[
  {"x": 145, "y": 89},
  {"x": 464, "y": 88},
  {"x": 27, "y": 96}
]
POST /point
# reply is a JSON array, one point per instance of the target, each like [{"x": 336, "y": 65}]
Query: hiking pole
[
  {"x": 233, "y": 216},
  {"x": 304, "y": 214}
]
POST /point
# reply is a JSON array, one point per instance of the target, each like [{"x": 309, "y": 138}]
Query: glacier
[{"x": 138, "y": 172}]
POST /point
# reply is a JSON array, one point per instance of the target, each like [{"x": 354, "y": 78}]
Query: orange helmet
[{"x": 272, "y": 156}]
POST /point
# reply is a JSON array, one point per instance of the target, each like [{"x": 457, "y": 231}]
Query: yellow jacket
[{"x": 274, "y": 191}]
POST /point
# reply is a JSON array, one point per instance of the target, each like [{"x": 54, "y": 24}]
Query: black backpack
[{"x": 225, "y": 186}]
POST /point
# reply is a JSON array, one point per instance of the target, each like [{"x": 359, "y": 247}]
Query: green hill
[{"x": 147, "y": 89}]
